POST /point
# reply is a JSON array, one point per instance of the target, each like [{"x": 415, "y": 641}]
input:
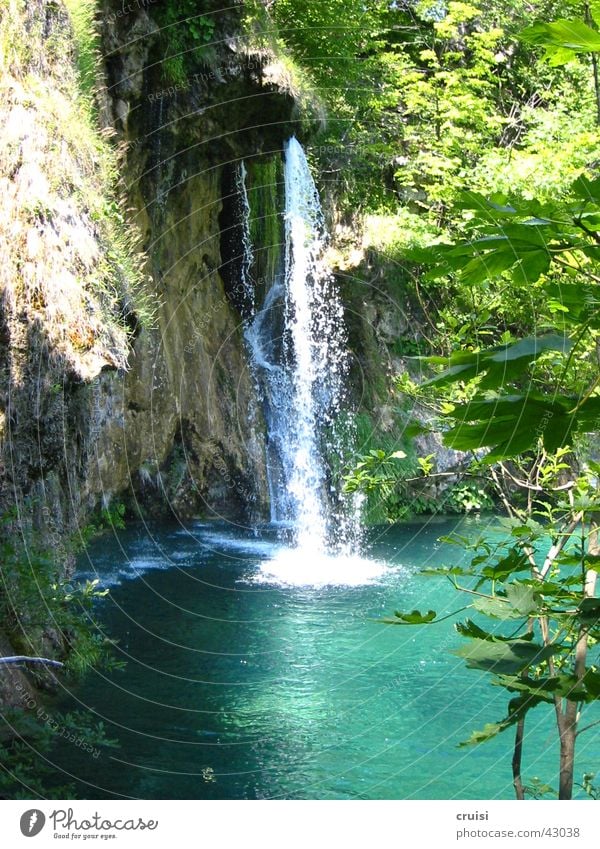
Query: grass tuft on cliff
[{"x": 69, "y": 262}]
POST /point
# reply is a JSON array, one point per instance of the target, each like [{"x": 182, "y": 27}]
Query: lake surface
[{"x": 244, "y": 684}]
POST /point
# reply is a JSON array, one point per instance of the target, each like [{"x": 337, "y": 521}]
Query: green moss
[
  {"x": 186, "y": 36},
  {"x": 265, "y": 196}
]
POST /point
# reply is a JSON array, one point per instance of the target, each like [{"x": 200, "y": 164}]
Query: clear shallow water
[{"x": 240, "y": 684}]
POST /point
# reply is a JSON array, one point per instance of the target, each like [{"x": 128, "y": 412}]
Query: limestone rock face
[
  {"x": 189, "y": 434},
  {"x": 95, "y": 404}
]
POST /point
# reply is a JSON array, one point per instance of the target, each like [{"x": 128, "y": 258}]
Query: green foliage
[
  {"x": 431, "y": 95},
  {"x": 537, "y": 789},
  {"x": 37, "y": 600},
  {"x": 378, "y": 473},
  {"x": 413, "y": 618},
  {"x": 542, "y": 389},
  {"x": 477, "y": 165},
  {"x": 83, "y": 20},
  {"x": 186, "y": 37},
  {"x": 467, "y": 498},
  {"x": 562, "y": 40},
  {"x": 587, "y": 785},
  {"x": 110, "y": 517},
  {"x": 25, "y": 772},
  {"x": 523, "y": 403},
  {"x": 398, "y": 483},
  {"x": 44, "y": 614}
]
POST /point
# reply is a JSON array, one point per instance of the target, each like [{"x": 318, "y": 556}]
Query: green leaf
[
  {"x": 515, "y": 433},
  {"x": 504, "y": 658},
  {"x": 588, "y": 190},
  {"x": 490, "y": 730},
  {"x": 469, "y": 629},
  {"x": 487, "y": 207},
  {"x": 514, "y": 561},
  {"x": 517, "y": 709},
  {"x": 512, "y": 424},
  {"x": 591, "y": 681},
  {"x": 531, "y": 267},
  {"x": 503, "y": 361},
  {"x": 415, "y": 429},
  {"x": 522, "y": 598},
  {"x": 565, "y": 686},
  {"x": 497, "y": 608},
  {"x": 589, "y": 610},
  {"x": 487, "y": 266},
  {"x": 458, "y": 372},
  {"x": 446, "y": 570},
  {"x": 562, "y": 39},
  {"x": 530, "y": 347},
  {"x": 505, "y": 405},
  {"x": 413, "y": 618},
  {"x": 592, "y": 561}
]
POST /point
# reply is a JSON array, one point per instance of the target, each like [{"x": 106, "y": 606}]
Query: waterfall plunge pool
[{"x": 246, "y": 680}]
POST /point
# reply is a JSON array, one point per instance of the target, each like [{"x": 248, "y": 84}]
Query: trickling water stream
[
  {"x": 297, "y": 342},
  {"x": 247, "y": 253}
]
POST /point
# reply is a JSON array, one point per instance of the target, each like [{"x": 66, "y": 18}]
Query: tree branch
[{"x": 20, "y": 658}]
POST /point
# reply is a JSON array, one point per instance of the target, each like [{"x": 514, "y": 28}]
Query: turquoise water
[{"x": 237, "y": 686}]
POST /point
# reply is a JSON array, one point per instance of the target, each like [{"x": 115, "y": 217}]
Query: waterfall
[
  {"x": 247, "y": 250},
  {"x": 298, "y": 348}
]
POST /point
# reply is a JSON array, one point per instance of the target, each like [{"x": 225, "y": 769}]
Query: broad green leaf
[
  {"x": 514, "y": 561},
  {"x": 531, "y": 267},
  {"x": 490, "y": 730},
  {"x": 413, "y": 618},
  {"x": 589, "y": 610},
  {"x": 504, "y": 658},
  {"x": 506, "y": 405},
  {"x": 562, "y": 39},
  {"x": 487, "y": 266},
  {"x": 469, "y": 629},
  {"x": 498, "y": 608},
  {"x": 522, "y": 598},
  {"x": 512, "y": 434},
  {"x": 493, "y": 209},
  {"x": 565, "y": 686},
  {"x": 592, "y": 561},
  {"x": 504, "y": 361},
  {"x": 530, "y": 347},
  {"x": 517, "y": 708},
  {"x": 591, "y": 681},
  {"x": 588, "y": 190}
]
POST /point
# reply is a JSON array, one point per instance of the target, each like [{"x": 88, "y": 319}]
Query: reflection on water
[{"x": 252, "y": 675}]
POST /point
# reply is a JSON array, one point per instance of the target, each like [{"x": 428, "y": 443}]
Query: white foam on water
[
  {"x": 297, "y": 567},
  {"x": 222, "y": 542},
  {"x": 126, "y": 572}
]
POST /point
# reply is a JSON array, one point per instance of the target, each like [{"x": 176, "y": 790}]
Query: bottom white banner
[{"x": 438, "y": 824}]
